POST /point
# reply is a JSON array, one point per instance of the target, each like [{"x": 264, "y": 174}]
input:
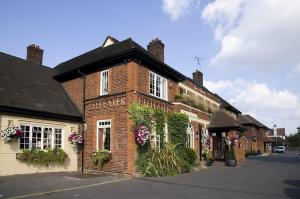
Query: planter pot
[
  {"x": 231, "y": 163},
  {"x": 209, "y": 163}
]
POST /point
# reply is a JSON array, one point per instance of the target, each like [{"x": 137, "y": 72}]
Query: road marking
[{"x": 67, "y": 189}]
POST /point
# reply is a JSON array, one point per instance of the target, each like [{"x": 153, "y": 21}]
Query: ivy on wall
[
  {"x": 177, "y": 125},
  {"x": 170, "y": 158}
]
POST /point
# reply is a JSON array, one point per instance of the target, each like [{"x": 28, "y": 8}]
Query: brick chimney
[
  {"x": 198, "y": 77},
  {"x": 35, "y": 54},
  {"x": 156, "y": 48}
]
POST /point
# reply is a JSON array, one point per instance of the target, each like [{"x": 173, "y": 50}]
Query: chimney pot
[
  {"x": 156, "y": 48},
  {"x": 35, "y": 54}
]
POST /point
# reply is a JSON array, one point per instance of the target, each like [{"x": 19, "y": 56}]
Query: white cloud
[
  {"x": 178, "y": 8},
  {"x": 297, "y": 68},
  {"x": 266, "y": 104},
  {"x": 257, "y": 33}
]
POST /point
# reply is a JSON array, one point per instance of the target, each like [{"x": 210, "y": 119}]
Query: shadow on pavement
[
  {"x": 293, "y": 192},
  {"x": 211, "y": 188}
]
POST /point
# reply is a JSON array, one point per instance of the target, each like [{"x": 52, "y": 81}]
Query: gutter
[{"x": 83, "y": 120}]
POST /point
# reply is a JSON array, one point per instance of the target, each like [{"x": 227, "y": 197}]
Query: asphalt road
[{"x": 276, "y": 176}]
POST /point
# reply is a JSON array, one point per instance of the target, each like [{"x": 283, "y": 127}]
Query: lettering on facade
[
  {"x": 154, "y": 104},
  {"x": 109, "y": 103}
]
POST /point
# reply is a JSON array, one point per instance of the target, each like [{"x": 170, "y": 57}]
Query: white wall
[{"x": 9, "y": 165}]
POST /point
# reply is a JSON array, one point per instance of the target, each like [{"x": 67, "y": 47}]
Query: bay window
[{"x": 158, "y": 86}]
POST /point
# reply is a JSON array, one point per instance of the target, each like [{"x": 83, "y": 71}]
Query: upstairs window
[
  {"x": 158, "y": 86},
  {"x": 104, "y": 82}
]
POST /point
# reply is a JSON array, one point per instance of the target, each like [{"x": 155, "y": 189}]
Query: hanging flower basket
[
  {"x": 141, "y": 135},
  {"x": 11, "y": 134},
  {"x": 75, "y": 138}
]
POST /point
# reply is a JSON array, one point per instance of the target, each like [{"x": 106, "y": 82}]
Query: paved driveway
[{"x": 260, "y": 177}]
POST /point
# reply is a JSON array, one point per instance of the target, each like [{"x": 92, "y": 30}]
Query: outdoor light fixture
[
  {"x": 214, "y": 134},
  {"x": 223, "y": 134}
]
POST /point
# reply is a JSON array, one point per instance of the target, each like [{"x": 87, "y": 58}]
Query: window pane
[
  {"x": 47, "y": 142},
  {"x": 24, "y": 141},
  {"x": 152, "y": 86},
  {"x": 106, "y": 138},
  {"x": 36, "y": 137},
  {"x": 57, "y": 138},
  {"x": 158, "y": 86},
  {"x": 104, "y": 83}
]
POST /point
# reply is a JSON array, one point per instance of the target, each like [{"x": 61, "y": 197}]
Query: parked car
[{"x": 279, "y": 149}]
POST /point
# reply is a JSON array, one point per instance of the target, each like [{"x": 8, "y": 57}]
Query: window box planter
[{"x": 231, "y": 163}]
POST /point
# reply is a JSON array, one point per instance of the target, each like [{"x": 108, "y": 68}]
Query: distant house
[{"x": 256, "y": 134}]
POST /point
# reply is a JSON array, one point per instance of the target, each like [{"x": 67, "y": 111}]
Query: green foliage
[
  {"x": 230, "y": 155},
  {"x": 140, "y": 115},
  {"x": 293, "y": 140},
  {"x": 188, "y": 157},
  {"x": 165, "y": 162},
  {"x": 159, "y": 118},
  {"x": 38, "y": 156},
  {"x": 100, "y": 158},
  {"x": 177, "y": 125},
  {"x": 193, "y": 103}
]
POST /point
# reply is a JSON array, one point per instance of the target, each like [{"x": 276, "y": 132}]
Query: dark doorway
[{"x": 218, "y": 147}]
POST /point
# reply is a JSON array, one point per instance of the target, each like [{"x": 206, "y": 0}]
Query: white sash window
[
  {"x": 158, "y": 86},
  {"x": 104, "y": 82}
]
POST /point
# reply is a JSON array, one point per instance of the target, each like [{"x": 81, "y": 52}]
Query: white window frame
[
  {"x": 102, "y": 92},
  {"x": 102, "y": 126},
  {"x": 190, "y": 133},
  {"x": 31, "y": 126},
  {"x": 163, "y": 87}
]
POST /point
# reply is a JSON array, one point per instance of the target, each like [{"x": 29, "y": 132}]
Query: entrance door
[{"x": 218, "y": 147}]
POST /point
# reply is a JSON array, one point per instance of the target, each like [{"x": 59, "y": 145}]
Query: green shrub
[
  {"x": 177, "y": 125},
  {"x": 100, "y": 158},
  {"x": 188, "y": 157},
  {"x": 165, "y": 162},
  {"x": 38, "y": 156}
]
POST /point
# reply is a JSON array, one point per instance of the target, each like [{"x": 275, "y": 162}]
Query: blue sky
[{"x": 250, "y": 58}]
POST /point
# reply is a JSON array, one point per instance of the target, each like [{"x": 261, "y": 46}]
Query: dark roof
[
  {"x": 221, "y": 120},
  {"x": 226, "y": 105},
  {"x": 29, "y": 88},
  {"x": 279, "y": 139},
  {"x": 107, "y": 56},
  {"x": 249, "y": 120}
]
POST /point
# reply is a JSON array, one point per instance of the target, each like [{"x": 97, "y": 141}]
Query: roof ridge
[{"x": 22, "y": 59}]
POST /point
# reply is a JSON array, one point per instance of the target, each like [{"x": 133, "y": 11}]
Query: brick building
[{"x": 103, "y": 82}]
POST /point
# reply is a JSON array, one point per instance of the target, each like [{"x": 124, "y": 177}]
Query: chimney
[
  {"x": 156, "y": 48},
  {"x": 198, "y": 77},
  {"x": 34, "y": 54}
]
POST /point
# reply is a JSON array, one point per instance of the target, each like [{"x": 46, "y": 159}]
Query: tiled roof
[
  {"x": 221, "y": 119},
  {"x": 28, "y": 87}
]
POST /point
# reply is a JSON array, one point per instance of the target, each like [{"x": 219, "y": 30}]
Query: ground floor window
[
  {"x": 40, "y": 137},
  {"x": 104, "y": 135},
  {"x": 190, "y": 136}
]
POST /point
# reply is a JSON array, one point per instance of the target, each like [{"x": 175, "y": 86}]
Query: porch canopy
[{"x": 223, "y": 122}]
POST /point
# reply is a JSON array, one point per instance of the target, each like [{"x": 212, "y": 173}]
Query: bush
[
  {"x": 188, "y": 157},
  {"x": 100, "y": 158},
  {"x": 38, "y": 156},
  {"x": 165, "y": 162}
]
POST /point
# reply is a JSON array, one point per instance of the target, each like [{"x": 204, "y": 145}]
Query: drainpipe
[{"x": 83, "y": 122}]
